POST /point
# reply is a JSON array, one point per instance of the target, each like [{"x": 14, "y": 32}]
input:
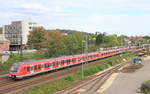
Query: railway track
[
  {"x": 91, "y": 85},
  {"x": 8, "y": 86}
]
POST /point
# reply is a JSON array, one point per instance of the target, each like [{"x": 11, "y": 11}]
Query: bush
[
  {"x": 145, "y": 87},
  {"x": 69, "y": 78}
]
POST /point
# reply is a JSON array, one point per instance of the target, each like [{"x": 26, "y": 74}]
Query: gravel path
[{"x": 128, "y": 83}]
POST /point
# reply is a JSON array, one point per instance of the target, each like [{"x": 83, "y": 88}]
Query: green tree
[
  {"x": 77, "y": 42},
  {"x": 121, "y": 40},
  {"x": 100, "y": 39},
  {"x": 68, "y": 42},
  {"x": 54, "y": 44},
  {"x": 147, "y": 37},
  {"x": 36, "y": 38},
  {"x": 111, "y": 41}
]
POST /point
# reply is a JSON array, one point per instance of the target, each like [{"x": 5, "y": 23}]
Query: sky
[{"x": 121, "y": 17}]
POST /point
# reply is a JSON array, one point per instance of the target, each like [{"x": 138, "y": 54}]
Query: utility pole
[
  {"x": 82, "y": 58},
  {"x": 86, "y": 46},
  {"x": 85, "y": 51}
]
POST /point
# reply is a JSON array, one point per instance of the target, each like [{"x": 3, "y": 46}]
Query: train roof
[
  {"x": 53, "y": 58},
  {"x": 61, "y": 57}
]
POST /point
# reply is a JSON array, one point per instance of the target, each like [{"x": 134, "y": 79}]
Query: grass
[
  {"x": 51, "y": 88},
  {"x": 48, "y": 88}
]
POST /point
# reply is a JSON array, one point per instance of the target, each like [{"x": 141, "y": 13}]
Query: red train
[{"x": 24, "y": 69}]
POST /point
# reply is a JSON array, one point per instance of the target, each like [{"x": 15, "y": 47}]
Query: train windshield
[{"x": 14, "y": 68}]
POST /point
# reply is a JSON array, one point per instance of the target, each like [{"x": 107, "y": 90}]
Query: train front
[{"x": 14, "y": 71}]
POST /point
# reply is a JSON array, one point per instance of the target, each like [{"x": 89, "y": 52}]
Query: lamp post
[
  {"x": 84, "y": 50},
  {"x": 82, "y": 58}
]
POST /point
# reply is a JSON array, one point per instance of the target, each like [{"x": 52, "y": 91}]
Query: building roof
[
  {"x": 136, "y": 37},
  {"x": 2, "y": 38}
]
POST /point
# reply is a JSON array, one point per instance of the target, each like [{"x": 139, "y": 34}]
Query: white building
[{"x": 17, "y": 32}]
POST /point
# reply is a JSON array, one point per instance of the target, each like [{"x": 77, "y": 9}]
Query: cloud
[
  {"x": 112, "y": 16},
  {"x": 35, "y": 6}
]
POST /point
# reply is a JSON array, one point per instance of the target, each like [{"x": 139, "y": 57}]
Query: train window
[
  {"x": 42, "y": 66},
  {"x": 79, "y": 58},
  {"x": 35, "y": 67},
  {"x": 48, "y": 64},
  {"x": 39, "y": 66},
  {"x": 54, "y": 64},
  {"x": 31, "y": 68},
  {"x": 65, "y": 61},
  {"x": 28, "y": 69},
  {"x": 83, "y": 57},
  {"x": 68, "y": 61},
  {"x": 14, "y": 68},
  {"x": 57, "y": 63},
  {"x": 73, "y": 59},
  {"x": 62, "y": 62},
  {"x": 45, "y": 65},
  {"x": 24, "y": 68}
]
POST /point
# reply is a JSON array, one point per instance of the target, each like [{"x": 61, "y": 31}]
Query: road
[{"x": 128, "y": 83}]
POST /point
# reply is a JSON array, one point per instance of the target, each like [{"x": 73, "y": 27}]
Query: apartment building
[{"x": 17, "y": 32}]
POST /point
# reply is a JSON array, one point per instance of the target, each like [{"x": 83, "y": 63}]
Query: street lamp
[
  {"x": 82, "y": 58},
  {"x": 84, "y": 50}
]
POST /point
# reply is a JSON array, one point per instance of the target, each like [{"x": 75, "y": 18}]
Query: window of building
[
  {"x": 30, "y": 27},
  {"x": 30, "y": 23}
]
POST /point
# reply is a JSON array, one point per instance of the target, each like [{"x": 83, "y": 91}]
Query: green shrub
[
  {"x": 145, "y": 87},
  {"x": 70, "y": 78}
]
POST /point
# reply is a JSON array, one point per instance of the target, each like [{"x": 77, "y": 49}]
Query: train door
[
  {"x": 65, "y": 62},
  {"x": 42, "y": 67},
  {"x": 31, "y": 69}
]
